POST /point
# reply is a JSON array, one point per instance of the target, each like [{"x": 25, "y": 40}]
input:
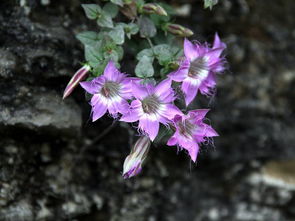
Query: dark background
[{"x": 57, "y": 165}]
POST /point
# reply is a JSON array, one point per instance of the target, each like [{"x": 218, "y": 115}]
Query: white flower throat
[
  {"x": 110, "y": 89},
  {"x": 150, "y": 104},
  {"x": 198, "y": 68}
]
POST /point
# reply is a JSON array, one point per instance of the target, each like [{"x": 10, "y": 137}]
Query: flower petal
[
  {"x": 198, "y": 114},
  {"x": 208, "y": 84},
  {"x": 90, "y": 86},
  {"x": 190, "y": 90},
  {"x": 98, "y": 111},
  {"x": 164, "y": 91},
  {"x": 150, "y": 127},
  {"x": 213, "y": 56},
  {"x": 218, "y": 43},
  {"x": 114, "y": 106},
  {"x": 139, "y": 91},
  {"x": 171, "y": 111},
  {"x": 126, "y": 90},
  {"x": 162, "y": 87},
  {"x": 134, "y": 113},
  {"x": 111, "y": 72},
  {"x": 193, "y": 151},
  {"x": 172, "y": 141},
  {"x": 190, "y": 50},
  {"x": 179, "y": 75},
  {"x": 95, "y": 98},
  {"x": 210, "y": 132}
]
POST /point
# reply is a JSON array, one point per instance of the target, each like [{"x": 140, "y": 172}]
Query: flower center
[
  {"x": 150, "y": 104},
  {"x": 186, "y": 128},
  {"x": 110, "y": 89},
  {"x": 198, "y": 68}
]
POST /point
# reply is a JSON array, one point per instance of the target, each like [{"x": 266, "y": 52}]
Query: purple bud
[
  {"x": 179, "y": 30},
  {"x": 133, "y": 162},
  {"x": 152, "y": 8},
  {"x": 78, "y": 76}
]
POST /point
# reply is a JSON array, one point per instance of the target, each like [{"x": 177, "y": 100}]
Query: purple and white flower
[
  {"x": 152, "y": 106},
  {"x": 198, "y": 69},
  {"x": 190, "y": 131},
  {"x": 78, "y": 76},
  {"x": 110, "y": 92},
  {"x": 133, "y": 162}
]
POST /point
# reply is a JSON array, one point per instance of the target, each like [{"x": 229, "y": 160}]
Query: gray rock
[
  {"x": 54, "y": 167},
  {"x": 45, "y": 110}
]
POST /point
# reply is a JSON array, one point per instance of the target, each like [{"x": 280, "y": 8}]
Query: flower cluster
[{"x": 130, "y": 99}]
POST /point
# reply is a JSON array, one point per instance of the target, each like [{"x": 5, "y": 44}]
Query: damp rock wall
[{"x": 57, "y": 165}]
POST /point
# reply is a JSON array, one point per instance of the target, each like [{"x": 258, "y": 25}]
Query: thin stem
[{"x": 151, "y": 44}]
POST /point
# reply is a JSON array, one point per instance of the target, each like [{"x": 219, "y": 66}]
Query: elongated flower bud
[
  {"x": 179, "y": 30},
  {"x": 78, "y": 76},
  {"x": 152, "y": 8},
  {"x": 133, "y": 162}
]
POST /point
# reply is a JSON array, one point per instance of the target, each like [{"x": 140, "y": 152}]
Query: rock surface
[{"x": 56, "y": 165}]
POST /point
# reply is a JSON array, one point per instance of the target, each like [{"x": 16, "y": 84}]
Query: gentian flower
[
  {"x": 110, "y": 92},
  {"x": 153, "y": 105},
  {"x": 191, "y": 131},
  {"x": 133, "y": 162},
  {"x": 197, "y": 70},
  {"x": 78, "y": 76}
]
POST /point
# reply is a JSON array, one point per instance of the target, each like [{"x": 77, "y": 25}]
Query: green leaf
[
  {"x": 163, "y": 53},
  {"x": 148, "y": 52},
  {"x": 92, "y": 11},
  {"x": 144, "y": 68},
  {"x": 111, "y": 9},
  {"x": 210, "y": 3},
  {"x": 139, "y": 3},
  {"x": 162, "y": 50},
  {"x": 146, "y": 27},
  {"x": 105, "y": 20},
  {"x": 88, "y": 37},
  {"x": 120, "y": 52},
  {"x": 166, "y": 53},
  {"x": 111, "y": 55},
  {"x": 117, "y": 34},
  {"x": 93, "y": 54},
  {"x": 117, "y": 2},
  {"x": 99, "y": 68},
  {"x": 131, "y": 29},
  {"x": 159, "y": 20},
  {"x": 148, "y": 81}
]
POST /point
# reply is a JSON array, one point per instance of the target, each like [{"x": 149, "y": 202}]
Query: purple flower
[
  {"x": 197, "y": 71},
  {"x": 191, "y": 131},
  {"x": 153, "y": 104},
  {"x": 110, "y": 92},
  {"x": 78, "y": 76},
  {"x": 133, "y": 162}
]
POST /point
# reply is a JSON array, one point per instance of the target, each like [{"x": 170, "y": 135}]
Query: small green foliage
[
  {"x": 111, "y": 9},
  {"x": 93, "y": 54},
  {"x": 105, "y": 20},
  {"x": 145, "y": 52},
  {"x": 165, "y": 54},
  {"x": 88, "y": 37},
  {"x": 117, "y": 34},
  {"x": 210, "y": 3},
  {"x": 144, "y": 68},
  {"x": 92, "y": 11},
  {"x": 118, "y": 2},
  {"x": 130, "y": 29},
  {"x": 149, "y": 27}
]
